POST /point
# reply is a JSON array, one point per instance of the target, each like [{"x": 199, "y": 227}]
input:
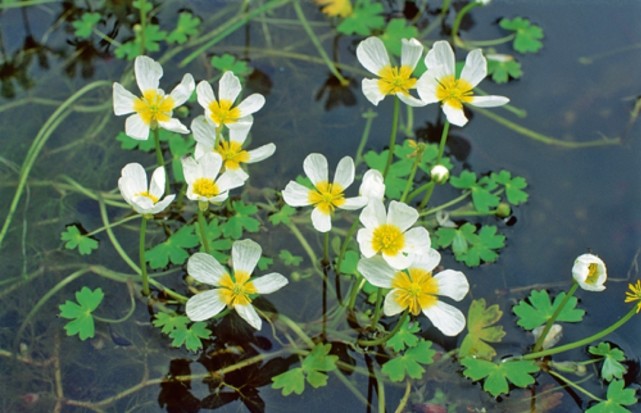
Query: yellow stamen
[
  {"x": 394, "y": 80},
  {"x": 454, "y": 92},
  {"x": 205, "y": 187},
  {"x": 154, "y": 107},
  {"x": 388, "y": 239},
  {"x": 222, "y": 112},
  {"x": 236, "y": 291},
  {"x": 342, "y": 8},
  {"x": 416, "y": 289},
  {"x": 593, "y": 273},
  {"x": 326, "y": 197},
  {"x": 233, "y": 154},
  {"x": 634, "y": 294},
  {"x": 146, "y": 194}
]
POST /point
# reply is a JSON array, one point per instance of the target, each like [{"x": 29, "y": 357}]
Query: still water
[{"x": 582, "y": 86}]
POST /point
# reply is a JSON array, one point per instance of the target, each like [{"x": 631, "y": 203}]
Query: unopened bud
[
  {"x": 551, "y": 338},
  {"x": 440, "y": 174},
  {"x": 503, "y": 210}
]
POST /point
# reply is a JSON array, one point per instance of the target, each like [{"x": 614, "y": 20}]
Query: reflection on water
[{"x": 580, "y": 200}]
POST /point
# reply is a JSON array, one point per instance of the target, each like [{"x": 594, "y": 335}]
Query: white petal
[
  {"x": 427, "y": 261},
  {"x": 441, "y": 58},
  {"x": 426, "y": 86},
  {"x": 162, "y": 204},
  {"x": 446, "y": 318},
  {"x": 315, "y": 167},
  {"x": 454, "y": 115},
  {"x": 322, "y": 222},
  {"x": 364, "y": 238},
  {"x": 239, "y": 133},
  {"x": 475, "y": 68},
  {"x": 157, "y": 184},
  {"x": 229, "y": 181},
  {"x": 251, "y": 104},
  {"x": 183, "y": 90},
  {"x": 191, "y": 171},
  {"x": 245, "y": 255},
  {"x": 373, "y": 214},
  {"x": 248, "y": 313},
  {"x": 174, "y": 125},
  {"x": 372, "y": 185},
  {"x": 203, "y": 131},
  {"x": 123, "y": 100},
  {"x": 411, "y": 51},
  {"x": 209, "y": 165},
  {"x": 401, "y": 215},
  {"x": 148, "y": 73},
  {"x": 371, "y": 91},
  {"x": 489, "y": 101},
  {"x": 218, "y": 198},
  {"x": 136, "y": 128},
  {"x": 452, "y": 284},
  {"x": 399, "y": 261},
  {"x": 135, "y": 178},
  {"x": 296, "y": 195},
  {"x": 411, "y": 100},
  {"x": 229, "y": 87},
  {"x": 205, "y": 94},
  {"x": 238, "y": 174},
  {"x": 269, "y": 283},
  {"x": 417, "y": 241},
  {"x": 244, "y": 122},
  {"x": 344, "y": 175},
  {"x": 356, "y": 202},
  {"x": 261, "y": 153},
  {"x": 372, "y": 55},
  {"x": 204, "y": 305},
  {"x": 376, "y": 271},
  {"x": 205, "y": 269},
  {"x": 390, "y": 306}
]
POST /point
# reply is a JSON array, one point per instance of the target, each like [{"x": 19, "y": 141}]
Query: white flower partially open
[
  {"x": 232, "y": 151},
  {"x": 203, "y": 181},
  {"x": 392, "y": 80},
  {"x": 153, "y": 109},
  {"x": 439, "y": 82},
  {"x": 144, "y": 199},
  {"x": 235, "y": 289},
  {"x": 590, "y": 272},
  {"x": 389, "y": 234},
  {"x": 372, "y": 185},
  {"x": 324, "y": 196},
  {"x": 417, "y": 290}
]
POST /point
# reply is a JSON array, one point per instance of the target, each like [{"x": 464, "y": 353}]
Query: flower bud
[
  {"x": 440, "y": 174},
  {"x": 553, "y": 336},
  {"x": 503, "y": 210},
  {"x": 590, "y": 272},
  {"x": 373, "y": 185}
]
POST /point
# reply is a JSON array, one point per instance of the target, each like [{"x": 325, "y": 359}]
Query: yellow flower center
[
  {"x": 388, "y": 239},
  {"x": 222, "y": 112},
  {"x": 454, "y": 92},
  {"x": 634, "y": 294},
  {"x": 153, "y": 107},
  {"x": 237, "y": 290},
  {"x": 395, "y": 80},
  {"x": 593, "y": 273},
  {"x": 326, "y": 197},
  {"x": 233, "y": 154},
  {"x": 205, "y": 187},
  {"x": 416, "y": 289},
  {"x": 146, "y": 194}
]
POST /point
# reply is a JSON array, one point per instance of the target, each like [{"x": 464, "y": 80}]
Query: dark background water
[{"x": 581, "y": 200}]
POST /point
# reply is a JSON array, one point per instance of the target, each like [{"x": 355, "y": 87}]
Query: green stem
[
  {"x": 369, "y": 116},
  {"x": 219, "y": 136},
  {"x": 356, "y": 287},
  {"x": 325, "y": 261},
  {"x": 113, "y": 239},
  {"x": 378, "y": 308},
  {"x": 441, "y": 145},
  {"x": 160, "y": 160},
  {"x": 573, "y": 385},
  {"x": 202, "y": 226},
  {"x": 548, "y": 325},
  {"x": 457, "y": 23},
  {"x": 303, "y": 242},
  {"x": 446, "y": 205},
  {"x": 346, "y": 240},
  {"x": 384, "y": 339},
  {"x": 392, "y": 138},
  {"x": 429, "y": 189},
  {"x": 410, "y": 178},
  {"x": 141, "y": 253},
  {"x": 583, "y": 342},
  {"x": 318, "y": 45},
  {"x": 143, "y": 25},
  {"x": 111, "y": 225},
  {"x": 179, "y": 297}
]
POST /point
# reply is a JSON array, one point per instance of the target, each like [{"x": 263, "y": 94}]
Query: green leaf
[
  {"x": 229, "y": 63},
  {"x": 170, "y": 322},
  {"x": 313, "y": 369},
  {"x": 174, "y": 249},
  {"x": 405, "y": 337},
  {"x": 190, "y": 337},
  {"x": 470, "y": 247},
  {"x": 219, "y": 246},
  {"x": 144, "y": 6},
  {"x": 83, "y": 27},
  {"x": 410, "y": 363},
  {"x": 528, "y": 35},
  {"x": 292, "y": 381},
  {"x": 282, "y": 216},
  {"x": 482, "y": 198},
  {"x": 79, "y": 313},
  {"x": 350, "y": 262},
  {"x": 612, "y": 368},
  {"x": 186, "y": 26},
  {"x": 503, "y": 70},
  {"x": 128, "y": 143},
  {"x": 513, "y": 186},
  {"x": 367, "y": 16},
  {"x": 617, "y": 397},
  {"x": 179, "y": 147},
  {"x": 396, "y": 30},
  {"x": 147, "y": 41},
  {"x": 75, "y": 239},
  {"x": 481, "y": 331},
  {"x": 539, "y": 308},
  {"x": 290, "y": 259},
  {"x": 241, "y": 220},
  {"x": 518, "y": 372}
]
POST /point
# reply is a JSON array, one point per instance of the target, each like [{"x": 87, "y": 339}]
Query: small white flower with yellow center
[
  {"x": 204, "y": 184},
  {"x": 590, "y": 272},
  {"x": 389, "y": 234},
  {"x": 144, "y": 199},
  {"x": 392, "y": 80},
  {"x": 439, "y": 82},
  {"x": 232, "y": 151},
  {"x": 153, "y": 109},
  {"x": 222, "y": 111},
  {"x": 235, "y": 289},
  {"x": 325, "y": 196},
  {"x": 416, "y": 289}
]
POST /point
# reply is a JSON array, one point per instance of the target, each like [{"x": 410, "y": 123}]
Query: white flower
[
  {"x": 589, "y": 271},
  {"x": 392, "y": 80},
  {"x": 144, "y": 199},
  {"x": 153, "y": 109},
  {"x": 439, "y": 82},
  {"x": 222, "y": 111},
  {"x": 372, "y": 185},
  {"x": 231, "y": 150},
  {"x": 417, "y": 290},
  {"x": 389, "y": 234},
  {"x": 203, "y": 181},
  {"x": 325, "y": 196},
  {"x": 236, "y": 289},
  {"x": 439, "y": 174}
]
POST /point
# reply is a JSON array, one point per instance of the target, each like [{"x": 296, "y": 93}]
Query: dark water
[{"x": 582, "y": 86}]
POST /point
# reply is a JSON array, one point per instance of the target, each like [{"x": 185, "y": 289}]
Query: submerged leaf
[{"x": 481, "y": 331}]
